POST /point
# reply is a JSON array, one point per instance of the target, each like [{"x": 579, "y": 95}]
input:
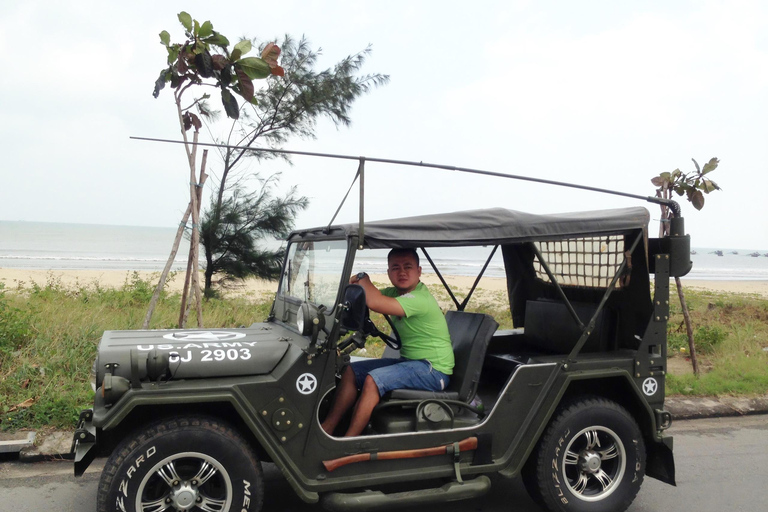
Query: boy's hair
[{"x": 403, "y": 252}]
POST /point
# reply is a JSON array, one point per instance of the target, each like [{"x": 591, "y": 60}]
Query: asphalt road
[{"x": 722, "y": 464}]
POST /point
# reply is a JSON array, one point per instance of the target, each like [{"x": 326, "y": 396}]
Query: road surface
[{"x": 722, "y": 464}]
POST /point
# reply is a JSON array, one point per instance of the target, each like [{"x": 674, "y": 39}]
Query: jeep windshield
[{"x": 312, "y": 272}]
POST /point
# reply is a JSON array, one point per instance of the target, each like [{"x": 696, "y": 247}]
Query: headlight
[
  {"x": 94, "y": 373},
  {"x": 300, "y": 321},
  {"x": 305, "y": 319}
]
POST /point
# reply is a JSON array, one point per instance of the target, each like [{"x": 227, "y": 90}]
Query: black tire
[
  {"x": 187, "y": 463},
  {"x": 590, "y": 459}
]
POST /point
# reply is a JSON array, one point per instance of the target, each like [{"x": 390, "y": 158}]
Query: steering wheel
[{"x": 371, "y": 330}]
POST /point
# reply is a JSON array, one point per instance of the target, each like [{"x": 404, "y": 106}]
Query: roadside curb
[
  {"x": 56, "y": 445},
  {"x": 689, "y": 408}
]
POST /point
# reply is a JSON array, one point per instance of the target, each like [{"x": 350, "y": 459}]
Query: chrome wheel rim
[
  {"x": 594, "y": 463},
  {"x": 188, "y": 481}
]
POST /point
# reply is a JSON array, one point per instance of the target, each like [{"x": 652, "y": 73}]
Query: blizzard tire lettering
[
  {"x": 182, "y": 463},
  {"x": 591, "y": 458}
]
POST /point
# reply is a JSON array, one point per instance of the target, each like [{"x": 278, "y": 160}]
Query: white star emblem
[
  {"x": 204, "y": 336},
  {"x": 650, "y": 386},
  {"x": 306, "y": 383}
]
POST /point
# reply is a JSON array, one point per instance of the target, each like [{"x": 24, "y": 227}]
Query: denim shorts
[{"x": 389, "y": 374}]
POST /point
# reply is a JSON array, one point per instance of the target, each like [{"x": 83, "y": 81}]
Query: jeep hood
[{"x": 193, "y": 353}]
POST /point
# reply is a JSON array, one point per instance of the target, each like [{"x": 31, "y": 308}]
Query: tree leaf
[
  {"x": 160, "y": 82},
  {"x": 177, "y": 80},
  {"x": 244, "y": 45},
  {"x": 235, "y": 55},
  {"x": 173, "y": 53},
  {"x": 195, "y": 121},
  {"x": 697, "y": 165},
  {"x": 226, "y": 76},
  {"x": 657, "y": 181},
  {"x": 206, "y": 29},
  {"x": 217, "y": 39},
  {"x": 165, "y": 38},
  {"x": 219, "y": 62},
  {"x": 246, "y": 85},
  {"x": 278, "y": 71},
  {"x": 181, "y": 65},
  {"x": 697, "y": 199},
  {"x": 708, "y": 186},
  {"x": 186, "y": 20},
  {"x": 270, "y": 53},
  {"x": 254, "y": 67},
  {"x": 710, "y": 166},
  {"x": 204, "y": 63},
  {"x": 230, "y": 104}
]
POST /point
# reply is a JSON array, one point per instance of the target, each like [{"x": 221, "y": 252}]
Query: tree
[
  {"x": 289, "y": 106},
  {"x": 204, "y": 59},
  {"x": 693, "y": 185},
  {"x": 231, "y": 232}
]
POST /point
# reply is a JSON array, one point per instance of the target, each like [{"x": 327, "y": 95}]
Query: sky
[{"x": 599, "y": 93}]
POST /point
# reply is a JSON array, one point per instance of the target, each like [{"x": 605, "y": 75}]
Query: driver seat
[{"x": 470, "y": 335}]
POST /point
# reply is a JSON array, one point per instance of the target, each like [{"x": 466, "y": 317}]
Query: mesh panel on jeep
[{"x": 589, "y": 262}]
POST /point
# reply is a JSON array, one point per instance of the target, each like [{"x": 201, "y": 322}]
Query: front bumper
[{"x": 84, "y": 442}]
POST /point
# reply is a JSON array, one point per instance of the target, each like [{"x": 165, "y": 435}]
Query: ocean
[{"x": 58, "y": 246}]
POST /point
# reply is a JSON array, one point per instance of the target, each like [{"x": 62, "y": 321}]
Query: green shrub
[
  {"x": 676, "y": 341},
  {"x": 708, "y": 337},
  {"x": 15, "y": 326}
]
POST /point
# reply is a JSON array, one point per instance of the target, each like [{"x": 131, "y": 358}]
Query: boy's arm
[{"x": 377, "y": 301}]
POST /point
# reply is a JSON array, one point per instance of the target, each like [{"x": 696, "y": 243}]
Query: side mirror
[{"x": 354, "y": 308}]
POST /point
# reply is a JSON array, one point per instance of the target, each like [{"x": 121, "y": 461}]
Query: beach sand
[{"x": 24, "y": 278}]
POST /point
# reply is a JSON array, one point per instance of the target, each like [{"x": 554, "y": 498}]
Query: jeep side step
[{"x": 377, "y": 500}]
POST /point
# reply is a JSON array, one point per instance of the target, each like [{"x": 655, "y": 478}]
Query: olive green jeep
[{"x": 571, "y": 399}]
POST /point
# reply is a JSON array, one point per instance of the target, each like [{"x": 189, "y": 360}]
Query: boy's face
[{"x": 404, "y": 272}]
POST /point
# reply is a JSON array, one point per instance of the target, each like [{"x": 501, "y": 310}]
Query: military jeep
[{"x": 572, "y": 396}]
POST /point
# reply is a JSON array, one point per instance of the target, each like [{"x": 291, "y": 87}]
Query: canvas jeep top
[{"x": 572, "y": 397}]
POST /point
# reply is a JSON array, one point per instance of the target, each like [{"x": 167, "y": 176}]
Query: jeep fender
[{"x": 134, "y": 400}]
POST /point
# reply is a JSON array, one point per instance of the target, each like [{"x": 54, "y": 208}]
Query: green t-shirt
[{"x": 423, "y": 330}]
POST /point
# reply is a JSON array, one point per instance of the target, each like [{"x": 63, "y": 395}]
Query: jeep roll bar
[{"x": 669, "y": 203}]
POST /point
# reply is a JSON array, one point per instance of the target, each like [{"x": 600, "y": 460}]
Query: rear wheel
[
  {"x": 591, "y": 459},
  {"x": 183, "y": 464}
]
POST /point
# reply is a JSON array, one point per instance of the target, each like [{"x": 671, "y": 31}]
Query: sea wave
[{"x": 86, "y": 258}]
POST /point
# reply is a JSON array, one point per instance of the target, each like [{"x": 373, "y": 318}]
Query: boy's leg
[
  {"x": 352, "y": 379},
  {"x": 346, "y": 394},
  {"x": 404, "y": 374},
  {"x": 369, "y": 397}
]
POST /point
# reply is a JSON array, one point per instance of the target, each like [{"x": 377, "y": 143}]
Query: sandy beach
[{"x": 22, "y": 278}]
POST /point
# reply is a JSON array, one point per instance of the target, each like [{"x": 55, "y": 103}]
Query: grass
[
  {"x": 731, "y": 338},
  {"x": 49, "y": 334}
]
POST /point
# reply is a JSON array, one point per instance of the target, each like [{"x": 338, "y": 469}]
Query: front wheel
[
  {"x": 182, "y": 464},
  {"x": 590, "y": 459}
]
